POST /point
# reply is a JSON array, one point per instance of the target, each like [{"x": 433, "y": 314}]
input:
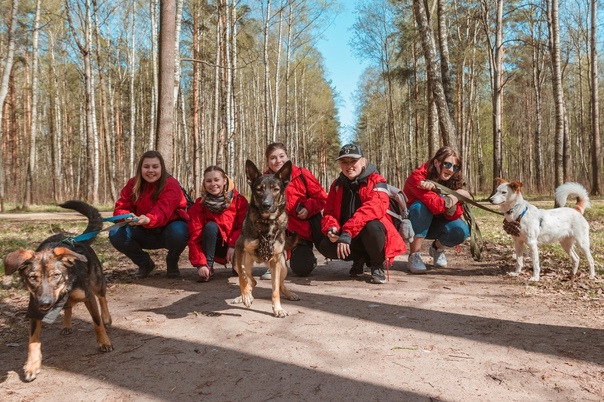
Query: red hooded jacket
[
  {"x": 170, "y": 205},
  {"x": 229, "y": 221},
  {"x": 313, "y": 200},
  {"x": 374, "y": 203},
  {"x": 432, "y": 200}
]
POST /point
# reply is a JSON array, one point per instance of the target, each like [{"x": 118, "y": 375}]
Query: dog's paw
[
  {"x": 534, "y": 279},
  {"x": 247, "y": 300},
  {"x": 280, "y": 313},
  {"x": 513, "y": 273},
  {"x": 66, "y": 331},
  {"x": 105, "y": 347},
  {"x": 293, "y": 296},
  {"x": 32, "y": 368},
  {"x": 237, "y": 300}
]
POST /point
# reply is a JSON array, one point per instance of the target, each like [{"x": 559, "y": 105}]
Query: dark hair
[
  {"x": 139, "y": 182},
  {"x": 456, "y": 181},
  {"x": 271, "y": 147},
  {"x": 214, "y": 168}
]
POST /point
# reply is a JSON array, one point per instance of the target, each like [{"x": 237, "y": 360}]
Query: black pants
[
  {"x": 368, "y": 244},
  {"x": 302, "y": 260}
]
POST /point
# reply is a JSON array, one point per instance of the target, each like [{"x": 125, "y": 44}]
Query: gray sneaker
[
  {"x": 415, "y": 264},
  {"x": 266, "y": 276},
  {"x": 438, "y": 256},
  {"x": 377, "y": 275}
]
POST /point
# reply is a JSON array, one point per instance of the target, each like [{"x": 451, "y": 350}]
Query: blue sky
[{"x": 342, "y": 68}]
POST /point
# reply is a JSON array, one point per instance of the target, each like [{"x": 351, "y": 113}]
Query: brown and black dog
[
  {"x": 59, "y": 274},
  {"x": 263, "y": 238}
]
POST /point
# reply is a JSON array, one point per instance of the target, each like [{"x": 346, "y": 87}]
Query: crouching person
[
  {"x": 355, "y": 220},
  {"x": 433, "y": 215}
]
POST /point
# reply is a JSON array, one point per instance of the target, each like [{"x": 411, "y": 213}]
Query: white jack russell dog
[{"x": 531, "y": 225}]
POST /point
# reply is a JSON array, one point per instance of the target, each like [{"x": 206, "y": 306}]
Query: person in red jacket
[
  {"x": 305, "y": 199},
  {"x": 355, "y": 219},
  {"x": 216, "y": 221},
  {"x": 433, "y": 215},
  {"x": 159, "y": 216}
]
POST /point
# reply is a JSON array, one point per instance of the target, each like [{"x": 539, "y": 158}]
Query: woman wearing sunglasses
[{"x": 433, "y": 215}]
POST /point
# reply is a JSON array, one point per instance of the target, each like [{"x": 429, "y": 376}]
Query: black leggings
[{"x": 368, "y": 244}]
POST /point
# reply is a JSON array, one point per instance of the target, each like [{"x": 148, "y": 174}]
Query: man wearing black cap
[{"x": 355, "y": 221}]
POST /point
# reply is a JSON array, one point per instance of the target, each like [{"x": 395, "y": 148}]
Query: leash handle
[{"x": 118, "y": 217}]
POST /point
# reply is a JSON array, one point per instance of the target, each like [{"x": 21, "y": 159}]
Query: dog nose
[
  {"x": 44, "y": 302},
  {"x": 266, "y": 205}
]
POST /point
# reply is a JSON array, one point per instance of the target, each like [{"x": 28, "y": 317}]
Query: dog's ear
[
  {"x": 515, "y": 186},
  {"x": 251, "y": 172},
  {"x": 67, "y": 256},
  {"x": 14, "y": 261},
  {"x": 284, "y": 174},
  {"x": 500, "y": 181}
]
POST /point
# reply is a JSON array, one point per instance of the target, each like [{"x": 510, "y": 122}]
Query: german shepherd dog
[
  {"x": 263, "y": 236},
  {"x": 59, "y": 274}
]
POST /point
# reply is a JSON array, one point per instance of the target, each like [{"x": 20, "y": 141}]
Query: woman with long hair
[
  {"x": 216, "y": 221},
  {"x": 158, "y": 210},
  {"x": 433, "y": 215},
  {"x": 305, "y": 200}
]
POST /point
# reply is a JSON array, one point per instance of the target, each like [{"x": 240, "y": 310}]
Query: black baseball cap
[{"x": 350, "y": 151}]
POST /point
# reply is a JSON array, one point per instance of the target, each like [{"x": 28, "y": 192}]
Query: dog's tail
[
  {"x": 95, "y": 220},
  {"x": 576, "y": 190}
]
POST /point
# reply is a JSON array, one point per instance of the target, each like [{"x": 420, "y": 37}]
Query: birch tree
[{"x": 6, "y": 72}]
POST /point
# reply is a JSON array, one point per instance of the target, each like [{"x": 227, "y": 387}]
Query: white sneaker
[
  {"x": 415, "y": 263},
  {"x": 438, "y": 256},
  {"x": 266, "y": 276}
]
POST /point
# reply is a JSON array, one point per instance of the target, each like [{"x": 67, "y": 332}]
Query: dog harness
[{"x": 513, "y": 227}]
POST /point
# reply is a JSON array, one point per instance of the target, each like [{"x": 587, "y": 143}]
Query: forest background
[{"x": 513, "y": 85}]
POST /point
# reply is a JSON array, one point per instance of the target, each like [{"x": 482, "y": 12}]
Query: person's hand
[
  {"x": 343, "y": 250},
  {"x": 303, "y": 213},
  {"x": 465, "y": 193},
  {"x": 230, "y": 253},
  {"x": 139, "y": 220},
  {"x": 332, "y": 234},
  {"x": 425, "y": 185}
]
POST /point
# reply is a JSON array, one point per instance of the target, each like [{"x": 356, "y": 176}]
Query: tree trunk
[
  {"x": 448, "y": 133},
  {"x": 553, "y": 23},
  {"x": 165, "y": 110},
  {"x": 6, "y": 73},
  {"x": 195, "y": 95},
  {"x": 31, "y": 165},
  {"x": 267, "y": 127},
  {"x": 154, "y": 88},
  {"x": 445, "y": 62},
  {"x": 596, "y": 146}
]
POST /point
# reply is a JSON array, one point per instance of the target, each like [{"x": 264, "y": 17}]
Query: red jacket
[
  {"x": 296, "y": 193},
  {"x": 171, "y": 204},
  {"x": 374, "y": 203},
  {"x": 230, "y": 222},
  {"x": 432, "y": 200}
]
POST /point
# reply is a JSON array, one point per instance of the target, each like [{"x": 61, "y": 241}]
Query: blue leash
[{"x": 90, "y": 235}]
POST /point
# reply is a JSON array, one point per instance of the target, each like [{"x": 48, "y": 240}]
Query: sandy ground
[{"x": 465, "y": 333}]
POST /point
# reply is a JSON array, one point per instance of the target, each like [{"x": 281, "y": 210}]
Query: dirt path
[{"x": 466, "y": 333}]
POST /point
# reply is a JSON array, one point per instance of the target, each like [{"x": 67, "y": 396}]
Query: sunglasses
[{"x": 449, "y": 165}]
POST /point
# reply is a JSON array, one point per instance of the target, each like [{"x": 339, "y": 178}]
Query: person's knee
[
  {"x": 177, "y": 233},
  {"x": 302, "y": 261},
  {"x": 210, "y": 229},
  {"x": 456, "y": 234}
]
